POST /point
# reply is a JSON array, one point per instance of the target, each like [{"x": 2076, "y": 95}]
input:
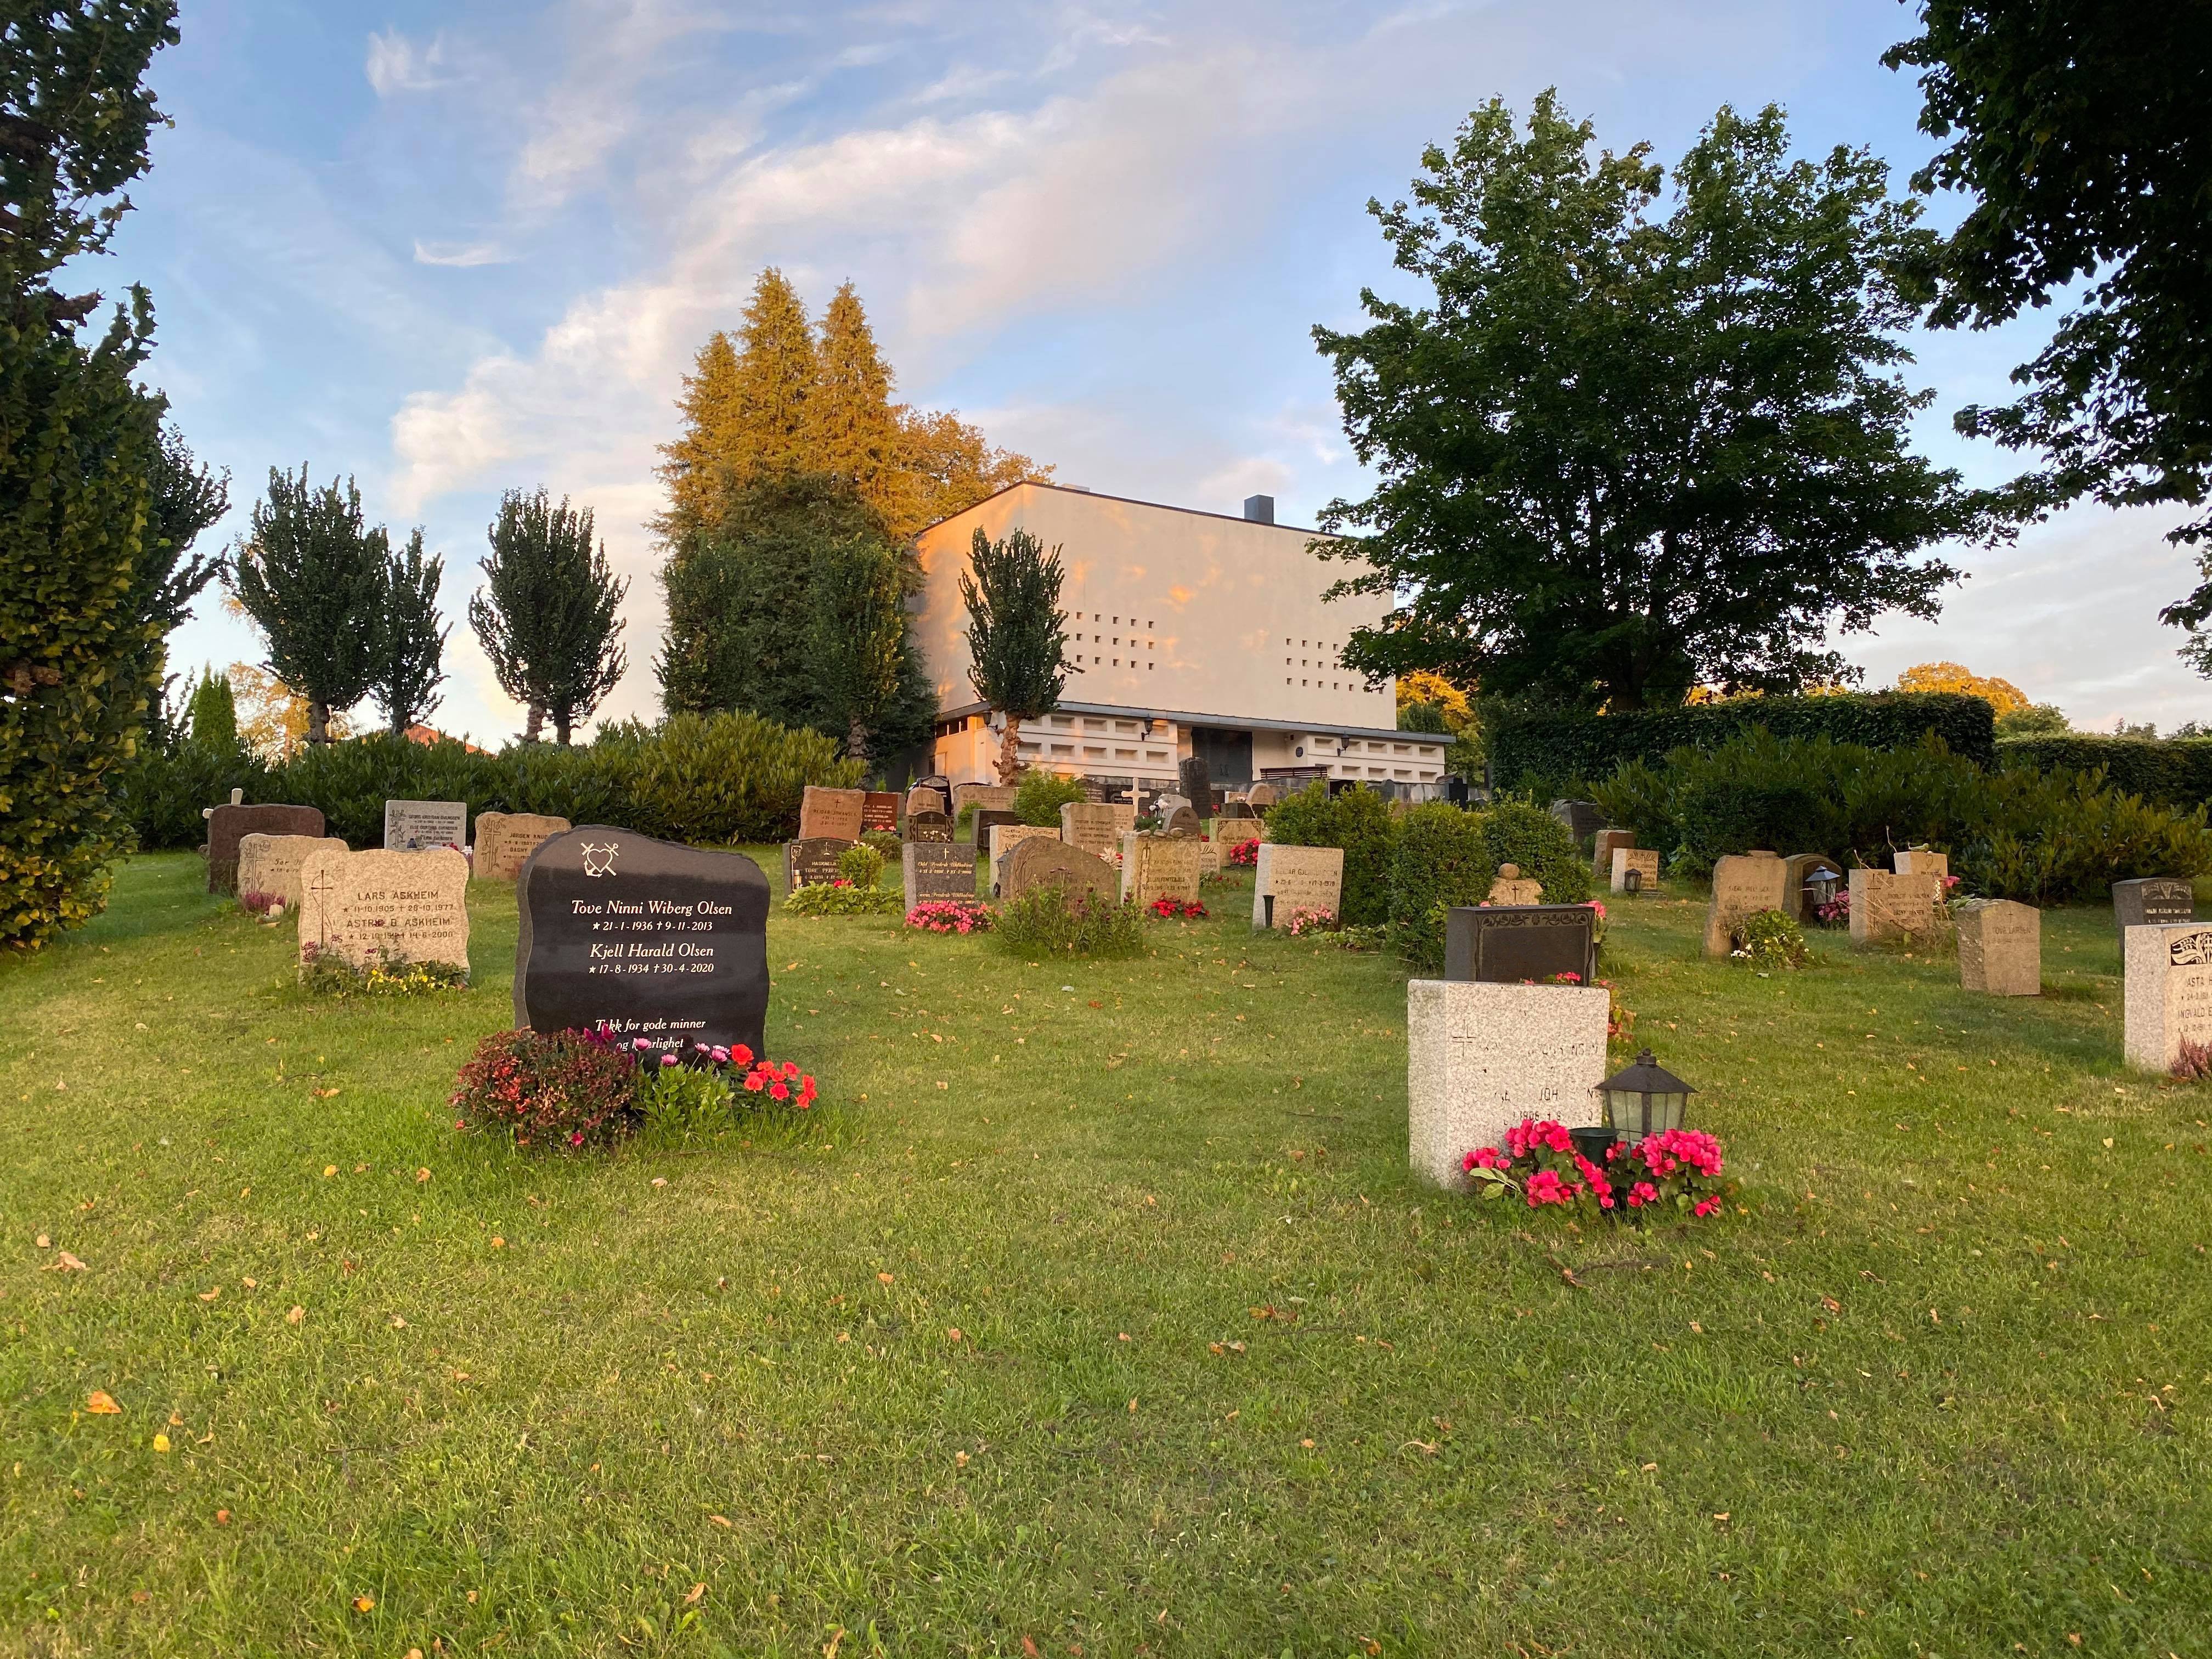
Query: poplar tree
[
  {"x": 310, "y": 574},
  {"x": 1018, "y": 660},
  {"x": 549, "y": 615},
  {"x": 405, "y": 670}
]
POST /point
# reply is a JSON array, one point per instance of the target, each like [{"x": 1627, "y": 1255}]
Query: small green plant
[
  {"x": 1040, "y": 795},
  {"x": 326, "y": 975},
  {"x": 1772, "y": 940},
  {"x": 677, "y": 1103},
  {"x": 862, "y": 866},
  {"x": 841, "y": 898},
  {"x": 885, "y": 842},
  {"x": 1047, "y": 919}
]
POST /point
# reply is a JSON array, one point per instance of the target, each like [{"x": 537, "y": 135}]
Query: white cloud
[
  {"x": 464, "y": 254},
  {"x": 397, "y": 64}
]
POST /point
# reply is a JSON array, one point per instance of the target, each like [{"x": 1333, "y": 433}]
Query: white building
[{"x": 1191, "y": 633}]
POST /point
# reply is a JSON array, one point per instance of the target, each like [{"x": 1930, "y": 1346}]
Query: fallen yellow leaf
[
  {"x": 63, "y": 1262},
  {"x": 420, "y": 1175},
  {"x": 100, "y": 1403},
  {"x": 209, "y": 1296},
  {"x": 497, "y": 1243},
  {"x": 329, "y": 1169},
  {"x": 297, "y": 1314},
  {"x": 160, "y": 1442},
  {"x": 364, "y": 1603},
  {"x": 721, "y": 1520},
  {"x": 698, "y": 1591},
  {"x": 884, "y": 1278}
]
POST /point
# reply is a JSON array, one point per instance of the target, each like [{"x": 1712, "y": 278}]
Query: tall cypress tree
[
  {"x": 693, "y": 461},
  {"x": 852, "y": 432},
  {"x": 310, "y": 574},
  {"x": 1018, "y": 653},
  {"x": 547, "y": 616},
  {"x": 405, "y": 672},
  {"x": 213, "y": 713},
  {"x": 78, "y": 446}
]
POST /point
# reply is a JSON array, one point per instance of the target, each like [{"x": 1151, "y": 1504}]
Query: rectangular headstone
[
  {"x": 1209, "y": 857},
  {"x": 416, "y": 826},
  {"x": 2000, "y": 948},
  {"x": 505, "y": 840},
  {"x": 831, "y": 814},
  {"x": 1584, "y": 819},
  {"x": 924, "y": 799},
  {"x": 1644, "y": 861},
  {"x": 937, "y": 870},
  {"x": 270, "y": 865},
  {"x": 1920, "y": 861},
  {"x": 985, "y": 820},
  {"x": 655, "y": 939},
  {"x": 1005, "y": 837},
  {"x": 1195, "y": 779},
  {"x": 1506, "y": 944},
  {"x": 1744, "y": 884},
  {"x": 1159, "y": 867},
  {"x": 1886, "y": 906},
  {"x": 879, "y": 811},
  {"x": 1604, "y": 842},
  {"x": 1481, "y": 1056},
  {"x": 366, "y": 908},
  {"x": 985, "y": 797},
  {"x": 227, "y": 825},
  {"x": 811, "y": 861},
  {"x": 2150, "y": 902},
  {"x": 1292, "y": 879},
  {"x": 2167, "y": 995},
  {"x": 1094, "y": 826},
  {"x": 927, "y": 826}
]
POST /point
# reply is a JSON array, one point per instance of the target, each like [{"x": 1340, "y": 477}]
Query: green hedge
[
  {"x": 1549, "y": 749},
  {"x": 2170, "y": 772},
  {"x": 1446, "y": 856},
  {"x": 1357, "y": 820}
]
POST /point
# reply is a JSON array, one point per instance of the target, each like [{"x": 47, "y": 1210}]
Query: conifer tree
[
  {"x": 549, "y": 616},
  {"x": 213, "y": 713},
  {"x": 860, "y": 638},
  {"x": 951, "y": 466},
  {"x": 310, "y": 574},
  {"x": 853, "y": 431},
  {"x": 405, "y": 671},
  {"x": 1018, "y": 661},
  {"x": 694, "y": 459}
]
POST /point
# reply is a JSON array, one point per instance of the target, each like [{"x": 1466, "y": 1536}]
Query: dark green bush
[
  {"x": 2167, "y": 772},
  {"x": 1441, "y": 859},
  {"x": 1557, "y": 748},
  {"x": 1519, "y": 833},
  {"x": 1040, "y": 794},
  {"x": 163, "y": 794},
  {"x": 1732, "y": 815},
  {"x": 1357, "y": 820}
]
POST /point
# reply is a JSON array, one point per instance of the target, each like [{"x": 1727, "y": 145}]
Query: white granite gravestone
[
  {"x": 1481, "y": 1056},
  {"x": 1293, "y": 878},
  {"x": 416, "y": 826},
  {"x": 2168, "y": 993}
]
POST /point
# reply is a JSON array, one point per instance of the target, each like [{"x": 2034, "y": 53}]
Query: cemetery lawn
[{"x": 1093, "y": 1313}]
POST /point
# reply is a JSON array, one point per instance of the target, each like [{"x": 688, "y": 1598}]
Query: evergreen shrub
[
  {"x": 1441, "y": 859},
  {"x": 2164, "y": 771},
  {"x": 1040, "y": 794},
  {"x": 1519, "y": 833},
  {"x": 1359, "y": 820},
  {"x": 1046, "y": 922}
]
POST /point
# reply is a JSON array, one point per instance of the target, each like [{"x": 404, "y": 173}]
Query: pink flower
[
  {"x": 1599, "y": 908},
  {"x": 1641, "y": 1193},
  {"x": 1705, "y": 1206},
  {"x": 1545, "y": 1186},
  {"x": 667, "y": 1059}
]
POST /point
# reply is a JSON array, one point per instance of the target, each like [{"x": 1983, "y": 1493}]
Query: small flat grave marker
[
  {"x": 416, "y": 826},
  {"x": 2167, "y": 992},
  {"x": 381, "y": 906},
  {"x": 2000, "y": 948}
]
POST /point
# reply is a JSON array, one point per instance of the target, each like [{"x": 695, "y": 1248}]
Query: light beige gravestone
[
  {"x": 1049, "y": 862},
  {"x": 1919, "y": 862},
  {"x": 1605, "y": 841},
  {"x": 1005, "y": 837},
  {"x": 1509, "y": 887},
  {"x": 1261, "y": 794},
  {"x": 1125, "y": 817},
  {"x": 270, "y": 865},
  {"x": 1744, "y": 884},
  {"x": 831, "y": 814},
  {"x": 1796, "y": 870},
  {"x": 1886, "y": 906},
  {"x": 1644, "y": 861},
  {"x": 1092, "y": 825},
  {"x": 1293, "y": 878},
  {"x": 2168, "y": 993},
  {"x": 505, "y": 841},
  {"x": 2000, "y": 947},
  {"x": 1480, "y": 1056},
  {"x": 363, "y": 908},
  {"x": 984, "y": 796},
  {"x": 1159, "y": 867},
  {"x": 919, "y": 799},
  {"x": 1209, "y": 858}
]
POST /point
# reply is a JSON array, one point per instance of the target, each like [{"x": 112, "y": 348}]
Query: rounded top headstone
[{"x": 1508, "y": 872}]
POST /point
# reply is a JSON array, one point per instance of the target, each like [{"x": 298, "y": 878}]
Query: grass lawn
[{"x": 1095, "y": 1313}]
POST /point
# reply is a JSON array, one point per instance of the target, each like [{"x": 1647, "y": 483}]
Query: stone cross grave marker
[
  {"x": 812, "y": 860},
  {"x": 1293, "y": 878},
  {"x": 1507, "y": 943},
  {"x": 937, "y": 870},
  {"x": 1159, "y": 867},
  {"x": 1921, "y": 862},
  {"x": 1604, "y": 842},
  {"x": 926, "y": 826},
  {"x": 1046, "y": 861},
  {"x": 2167, "y": 993},
  {"x": 1644, "y": 861},
  {"x": 1744, "y": 884},
  {"x": 1886, "y": 905},
  {"x": 1091, "y": 825},
  {"x": 2000, "y": 948},
  {"x": 505, "y": 840},
  {"x": 228, "y": 824},
  {"x": 2150, "y": 902},
  {"x": 416, "y": 826},
  {"x": 270, "y": 865},
  {"x": 361, "y": 908},
  {"x": 1005, "y": 837},
  {"x": 1510, "y": 887},
  {"x": 1480, "y": 1056},
  {"x": 831, "y": 814},
  {"x": 657, "y": 940},
  {"x": 879, "y": 811}
]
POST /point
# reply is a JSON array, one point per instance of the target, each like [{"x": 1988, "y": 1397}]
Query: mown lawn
[{"x": 1095, "y": 1314}]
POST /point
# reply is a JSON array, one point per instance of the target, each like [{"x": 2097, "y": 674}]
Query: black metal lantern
[
  {"x": 1644, "y": 1099},
  {"x": 1821, "y": 883},
  {"x": 1631, "y": 881}
]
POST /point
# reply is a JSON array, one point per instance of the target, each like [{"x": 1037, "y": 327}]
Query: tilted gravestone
[
  {"x": 2000, "y": 948},
  {"x": 1481, "y": 1056},
  {"x": 1049, "y": 862},
  {"x": 1155, "y": 867},
  {"x": 654, "y": 939},
  {"x": 1886, "y": 906},
  {"x": 831, "y": 814},
  {"x": 269, "y": 866},
  {"x": 1290, "y": 880},
  {"x": 415, "y": 826},
  {"x": 1094, "y": 826},
  {"x": 1512, "y": 887},
  {"x": 929, "y": 827},
  {"x": 813, "y": 860},
  {"x": 1505, "y": 944},
  {"x": 2167, "y": 993},
  {"x": 937, "y": 870},
  {"x": 505, "y": 840},
  {"x": 880, "y": 812},
  {"x": 228, "y": 824},
  {"x": 1643, "y": 861},
  {"x": 2150, "y": 902},
  {"x": 1744, "y": 884},
  {"x": 363, "y": 908}
]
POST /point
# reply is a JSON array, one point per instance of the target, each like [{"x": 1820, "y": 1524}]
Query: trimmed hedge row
[
  {"x": 711, "y": 779},
  {"x": 1558, "y": 747},
  {"x": 2170, "y": 771}
]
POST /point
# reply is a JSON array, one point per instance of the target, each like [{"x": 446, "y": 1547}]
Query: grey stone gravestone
[
  {"x": 812, "y": 860},
  {"x": 655, "y": 939},
  {"x": 2166, "y": 993},
  {"x": 227, "y": 824},
  {"x": 1195, "y": 779},
  {"x": 1043, "y": 862},
  {"x": 1744, "y": 884},
  {"x": 1482, "y": 1056},
  {"x": 416, "y": 826},
  {"x": 1506, "y": 943},
  {"x": 2151, "y": 901},
  {"x": 1584, "y": 819},
  {"x": 1094, "y": 826},
  {"x": 922, "y": 798},
  {"x": 271, "y": 865},
  {"x": 985, "y": 820},
  {"x": 1602, "y": 855},
  {"x": 937, "y": 870},
  {"x": 1183, "y": 821},
  {"x": 1005, "y": 837}
]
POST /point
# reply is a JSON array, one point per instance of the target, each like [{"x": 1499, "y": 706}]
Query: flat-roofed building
[{"x": 1191, "y": 633}]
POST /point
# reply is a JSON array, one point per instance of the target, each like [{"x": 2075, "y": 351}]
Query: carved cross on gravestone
[{"x": 322, "y": 884}]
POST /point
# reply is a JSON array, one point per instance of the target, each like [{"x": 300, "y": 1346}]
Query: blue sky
[{"x": 454, "y": 248}]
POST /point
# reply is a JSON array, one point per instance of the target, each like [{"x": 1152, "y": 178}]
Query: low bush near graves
[
  {"x": 1772, "y": 940},
  {"x": 1359, "y": 820},
  {"x": 2193, "y": 1063},
  {"x": 840, "y": 897},
  {"x": 708, "y": 1089},
  {"x": 1675, "y": 1170},
  {"x": 564, "y": 1090},
  {"x": 1170, "y": 909},
  {"x": 951, "y": 916},
  {"x": 1040, "y": 795},
  {"x": 1517, "y": 832},
  {"x": 1046, "y": 921},
  {"x": 885, "y": 842},
  {"x": 862, "y": 866},
  {"x": 388, "y": 976},
  {"x": 264, "y": 905},
  {"x": 1304, "y": 923}
]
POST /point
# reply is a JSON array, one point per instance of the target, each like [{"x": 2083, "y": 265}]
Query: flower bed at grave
[
  {"x": 1678, "y": 1170},
  {"x": 1242, "y": 855},
  {"x": 332, "y": 975},
  {"x": 951, "y": 916},
  {"x": 1170, "y": 909},
  {"x": 1302, "y": 922}
]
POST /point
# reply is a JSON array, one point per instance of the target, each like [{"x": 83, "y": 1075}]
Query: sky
[{"x": 455, "y": 248}]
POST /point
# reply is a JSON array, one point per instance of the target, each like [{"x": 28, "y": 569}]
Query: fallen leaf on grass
[
  {"x": 698, "y": 1591},
  {"x": 497, "y": 1243},
  {"x": 45, "y": 1243},
  {"x": 160, "y": 1442},
  {"x": 364, "y": 1603},
  {"x": 953, "y": 1333},
  {"x": 721, "y": 1520},
  {"x": 209, "y": 1296},
  {"x": 296, "y": 1315},
  {"x": 222, "y": 1517},
  {"x": 884, "y": 1279},
  {"x": 420, "y": 1175},
  {"x": 64, "y": 1263},
  {"x": 1028, "y": 1647}
]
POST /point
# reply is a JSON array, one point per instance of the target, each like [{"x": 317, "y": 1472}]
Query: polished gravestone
[
  {"x": 416, "y": 826},
  {"x": 1507, "y": 943},
  {"x": 928, "y": 826},
  {"x": 879, "y": 811},
  {"x": 936, "y": 869},
  {"x": 813, "y": 861},
  {"x": 986, "y": 819},
  {"x": 654, "y": 939},
  {"x": 2151, "y": 901}
]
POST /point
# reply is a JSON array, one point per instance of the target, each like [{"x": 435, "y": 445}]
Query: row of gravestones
[{"x": 262, "y": 849}]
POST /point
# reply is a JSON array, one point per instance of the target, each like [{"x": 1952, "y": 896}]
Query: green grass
[{"x": 1938, "y": 1388}]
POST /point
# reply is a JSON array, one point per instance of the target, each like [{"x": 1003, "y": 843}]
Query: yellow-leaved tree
[{"x": 2002, "y": 695}]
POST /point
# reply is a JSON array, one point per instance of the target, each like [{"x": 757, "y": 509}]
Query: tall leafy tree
[
  {"x": 188, "y": 499},
  {"x": 406, "y": 668},
  {"x": 310, "y": 574},
  {"x": 79, "y": 444},
  {"x": 1622, "y": 455},
  {"x": 548, "y": 617},
  {"x": 1015, "y": 643},
  {"x": 2078, "y": 127},
  {"x": 860, "y": 645},
  {"x": 951, "y": 466},
  {"x": 693, "y": 461}
]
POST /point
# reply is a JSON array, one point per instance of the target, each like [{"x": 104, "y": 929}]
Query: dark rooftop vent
[{"x": 1260, "y": 509}]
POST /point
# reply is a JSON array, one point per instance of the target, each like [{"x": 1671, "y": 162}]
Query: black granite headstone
[
  {"x": 1197, "y": 781},
  {"x": 929, "y": 826},
  {"x": 1584, "y": 819},
  {"x": 984, "y": 822},
  {"x": 937, "y": 870},
  {"x": 656, "y": 941},
  {"x": 811, "y": 861},
  {"x": 1507, "y": 943},
  {"x": 2153, "y": 900}
]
